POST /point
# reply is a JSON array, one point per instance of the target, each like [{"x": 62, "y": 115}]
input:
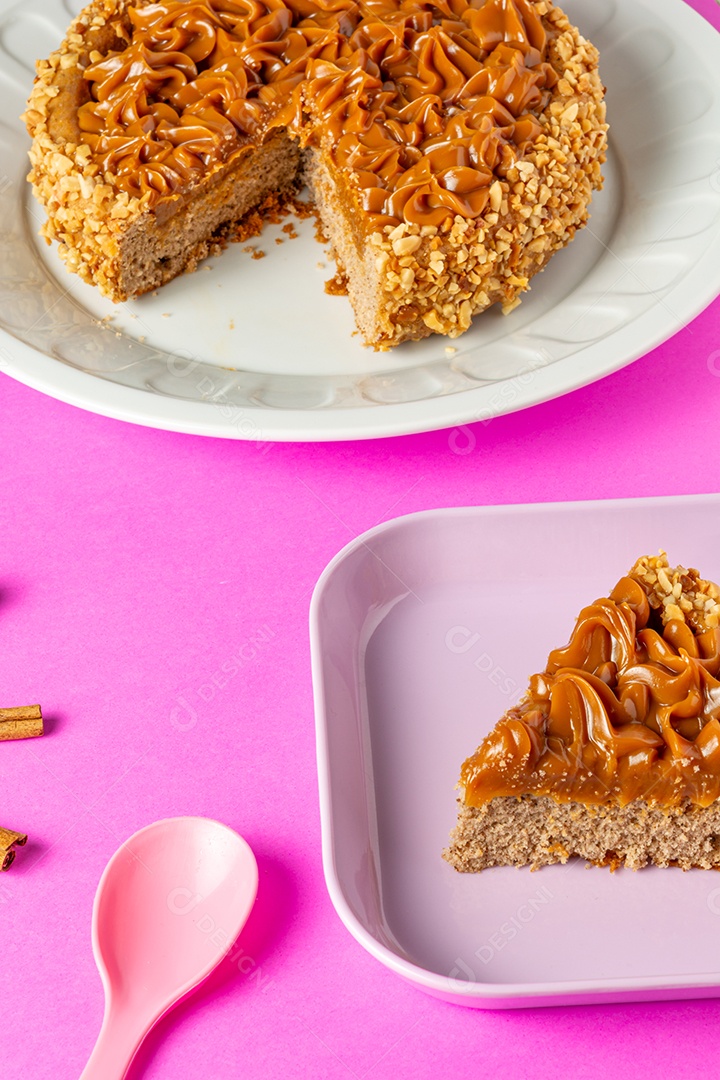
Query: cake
[
  {"x": 450, "y": 147},
  {"x": 613, "y": 754}
]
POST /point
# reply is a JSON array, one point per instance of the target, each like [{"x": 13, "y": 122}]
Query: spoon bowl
[{"x": 169, "y": 905}]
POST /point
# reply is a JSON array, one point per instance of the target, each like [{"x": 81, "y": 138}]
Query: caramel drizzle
[
  {"x": 627, "y": 710},
  {"x": 427, "y": 102}
]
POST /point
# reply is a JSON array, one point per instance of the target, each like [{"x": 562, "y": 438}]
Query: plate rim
[
  {"x": 96, "y": 394},
  {"x": 474, "y": 993}
]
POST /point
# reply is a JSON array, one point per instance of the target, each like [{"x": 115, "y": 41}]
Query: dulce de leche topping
[
  {"x": 629, "y": 709},
  {"x": 427, "y": 102}
]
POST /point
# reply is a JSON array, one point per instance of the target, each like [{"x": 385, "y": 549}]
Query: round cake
[{"x": 450, "y": 147}]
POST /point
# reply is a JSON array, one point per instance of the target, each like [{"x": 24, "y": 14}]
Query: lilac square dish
[{"x": 424, "y": 630}]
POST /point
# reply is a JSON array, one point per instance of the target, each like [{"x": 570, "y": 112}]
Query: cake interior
[
  {"x": 531, "y": 830},
  {"x": 157, "y": 249}
]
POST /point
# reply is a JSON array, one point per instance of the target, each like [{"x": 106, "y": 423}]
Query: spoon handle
[{"x": 119, "y": 1038}]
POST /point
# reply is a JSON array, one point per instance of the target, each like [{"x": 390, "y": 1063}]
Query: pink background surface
[{"x": 135, "y": 564}]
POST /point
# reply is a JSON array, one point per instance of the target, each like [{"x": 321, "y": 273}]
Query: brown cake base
[
  {"x": 538, "y": 831},
  {"x": 154, "y": 250}
]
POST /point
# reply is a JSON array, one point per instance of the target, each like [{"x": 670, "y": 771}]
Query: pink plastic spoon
[{"x": 170, "y": 903}]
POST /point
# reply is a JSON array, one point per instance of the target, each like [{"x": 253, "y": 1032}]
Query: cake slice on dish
[{"x": 614, "y": 752}]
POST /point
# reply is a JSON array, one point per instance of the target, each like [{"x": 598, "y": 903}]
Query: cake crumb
[
  {"x": 319, "y": 231},
  {"x": 279, "y": 240},
  {"x": 258, "y": 254},
  {"x": 166, "y": 314},
  {"x": 337, "y": 285},
  {"x": 290, "y": 230},
  {"x": 300, "y": 208},
  {"x": 231, "y": 324},
  {"x": 320, "y": 265},
  {"x": 450, "y": 350}
]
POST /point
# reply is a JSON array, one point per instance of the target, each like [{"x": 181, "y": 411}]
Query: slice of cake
[
  {"x": 450, "y": 146},
  {"x": 614, "y": 752}
]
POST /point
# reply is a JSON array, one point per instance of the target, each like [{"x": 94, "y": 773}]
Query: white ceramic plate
[
  {"x": 423, "y": 632},
  {"x": 256, "y": 350}
]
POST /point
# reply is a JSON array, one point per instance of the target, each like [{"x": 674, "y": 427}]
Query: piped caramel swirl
[
  {"x": 427, "y": 102},
  {"x": 629, "y": 709}
]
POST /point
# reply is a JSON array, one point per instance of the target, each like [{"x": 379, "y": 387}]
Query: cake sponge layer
[{"x": 536, "y": 831}]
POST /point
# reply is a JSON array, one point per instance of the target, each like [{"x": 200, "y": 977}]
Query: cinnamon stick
[
  {"x": 9, "y": 840},
  {"x": 25, "y": 722}
]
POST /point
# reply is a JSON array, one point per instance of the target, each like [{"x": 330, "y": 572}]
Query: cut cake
[{"x": 450, "y": 146}]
